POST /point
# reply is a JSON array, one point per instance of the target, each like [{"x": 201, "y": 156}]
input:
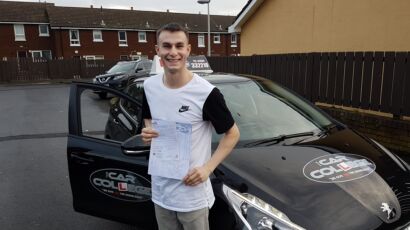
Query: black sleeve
[
  {"x": 146, "y": 112},
  {"x": 216, "y": 111}
]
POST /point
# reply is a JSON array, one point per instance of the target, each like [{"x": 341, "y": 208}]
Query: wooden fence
[
  {"x": 28, "y": 69},
  {"x": 378, "y": 81}
]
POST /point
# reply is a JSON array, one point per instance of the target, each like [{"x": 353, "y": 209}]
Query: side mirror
[
  {"x": 134, "y": 146},
  {"x": 138, "y": 69}
]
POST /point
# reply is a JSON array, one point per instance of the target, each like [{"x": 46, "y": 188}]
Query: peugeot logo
[{"x": 391, "y": 212}]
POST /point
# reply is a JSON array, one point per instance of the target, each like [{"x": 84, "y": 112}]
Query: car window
[
  {"x": 136, "y": 91},
  {"x": 139, "y": 65},
  {"x": 147, "y": 65},
  {"x": 122, "y": 67},
  {"x": 264, "y": 112},
  {"x": 105, "y": 119}
]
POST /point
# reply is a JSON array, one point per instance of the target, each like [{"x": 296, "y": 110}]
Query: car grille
[{"x": 401, "y": 187}]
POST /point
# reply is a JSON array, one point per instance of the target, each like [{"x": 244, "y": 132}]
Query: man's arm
[{"x": 226, "y": 144}]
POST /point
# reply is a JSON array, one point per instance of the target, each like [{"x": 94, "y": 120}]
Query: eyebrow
[{"x": 170, "y": 44}]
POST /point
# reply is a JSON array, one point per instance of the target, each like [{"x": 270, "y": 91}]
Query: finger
[
  {"x": 189, "y": 180},
  {"x": 149, "y": 131}
]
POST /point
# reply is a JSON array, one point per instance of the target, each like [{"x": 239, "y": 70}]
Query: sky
[{"x": 221, "y": 7}]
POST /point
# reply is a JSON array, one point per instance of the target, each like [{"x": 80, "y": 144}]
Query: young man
[{"x": 180, "y": 97}]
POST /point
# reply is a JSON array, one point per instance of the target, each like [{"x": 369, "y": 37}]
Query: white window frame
[
  {"x": 217, "y": 38},
  {"x": 47, "y": 34},
  {"x": 142, "y": 33},
  {"x": 234, "y": 41},
  {"x": 19, "y": 36},
  {"x": 122, "y": 42},
  {"x": 97, "y": 32},
  {"x": 201, "y": 40},
  {"x": 93, "y": 57},
  {"x": 74, "y": 42},
  {"x": 90, "y": 60},
  {"x": 41, "y": 52}
]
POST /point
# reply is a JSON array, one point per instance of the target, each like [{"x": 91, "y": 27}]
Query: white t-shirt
[{"x": 202, "y": 105}]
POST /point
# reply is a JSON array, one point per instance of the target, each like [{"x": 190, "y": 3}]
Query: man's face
[{"x": 173, "y": 49}]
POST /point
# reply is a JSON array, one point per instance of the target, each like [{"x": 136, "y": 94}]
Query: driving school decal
[
  {"x": 121, "y": 184},
  {"x": 337, "y": 168}
]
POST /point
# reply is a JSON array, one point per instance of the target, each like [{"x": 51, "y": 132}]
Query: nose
[{"x": 173, "y": 50}]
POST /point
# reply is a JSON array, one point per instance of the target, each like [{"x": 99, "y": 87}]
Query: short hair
[{"x": 173, "y": 27}]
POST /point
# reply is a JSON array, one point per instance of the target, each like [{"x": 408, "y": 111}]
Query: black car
[
  {"x": 118, "y": 76},
  {"x": 293, "y": 168}
]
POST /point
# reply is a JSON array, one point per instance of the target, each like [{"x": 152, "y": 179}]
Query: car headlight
[
  {"x": 256, "y": 213},
  {"x": 118, "y": 77}
]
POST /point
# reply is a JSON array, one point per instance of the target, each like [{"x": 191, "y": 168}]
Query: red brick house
[
  {"x": 24, "y": 30},
  {"x": 46, "y": 30}
]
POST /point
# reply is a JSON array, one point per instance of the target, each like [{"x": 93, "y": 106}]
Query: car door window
[{"x": 108, "y": 119}]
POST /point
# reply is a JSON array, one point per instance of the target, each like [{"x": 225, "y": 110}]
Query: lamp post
[{"x": 209, "y": 25}]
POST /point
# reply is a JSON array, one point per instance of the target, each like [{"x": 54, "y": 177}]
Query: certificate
[{"x": 170, "y": 151}]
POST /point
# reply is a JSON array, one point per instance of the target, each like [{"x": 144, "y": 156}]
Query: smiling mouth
[{"x": 173, "y": 60}]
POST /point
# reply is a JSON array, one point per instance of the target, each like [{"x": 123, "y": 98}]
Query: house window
[
  {"x": 233, "y": 40},
  {"x": 37, "y": 54},
  {"x": 19, "y": 34},
  {"x": 201, "y": 40},
  {"x": 123, "y": 57},
  {"x": 122, "y": 38},
  {"x": 142, "y": 36},
  {"x": 217, "y": 38},
  {"x": 43, "y": 30},
  {"x": 97, "y": 36},
  {"x": 74, "y": 38},
  {"x": 92, "y": 60}
]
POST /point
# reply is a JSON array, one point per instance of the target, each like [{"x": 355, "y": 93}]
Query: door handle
[{"x": 134, "y": 152}]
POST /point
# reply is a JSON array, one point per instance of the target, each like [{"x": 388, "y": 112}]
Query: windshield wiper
[
  {"x": 277, "y": 139},
  {"x": 327, "y": 129}
]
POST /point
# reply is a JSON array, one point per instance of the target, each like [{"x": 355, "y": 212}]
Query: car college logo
[
  {"x": 121, "y": 184},
  {"x": 336, "y": 168}
]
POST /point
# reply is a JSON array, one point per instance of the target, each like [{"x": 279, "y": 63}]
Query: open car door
[{"x": 108, "y": 179}]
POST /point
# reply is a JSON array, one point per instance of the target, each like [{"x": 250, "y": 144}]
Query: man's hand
[
  {"x": 197, "y": 175},
  {"x": 147, "y": 134}
]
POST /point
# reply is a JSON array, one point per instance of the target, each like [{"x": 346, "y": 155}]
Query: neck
[{"x": 177, "y": 79}]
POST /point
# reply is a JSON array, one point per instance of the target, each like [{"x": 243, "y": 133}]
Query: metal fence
[
  {"x": 28, "y": 69},
  {"x": 378, "y": 81}
]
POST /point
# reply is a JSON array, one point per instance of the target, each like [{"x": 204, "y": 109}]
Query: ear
[
  {"x": 157, "y": 49},
  {"x": 189, "y": 49}
]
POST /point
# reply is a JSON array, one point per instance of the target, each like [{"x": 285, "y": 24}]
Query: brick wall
[
  {"x": 9, "y": 47},
  {"x": 392, "y": 133}
]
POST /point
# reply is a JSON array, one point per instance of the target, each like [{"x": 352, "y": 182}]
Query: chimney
[
  {"x": 167, "y": 10},
  {"x": 101, "y": 8},
  {"x": 132, "y": 8},
  {"x": 91, "y": 6}
]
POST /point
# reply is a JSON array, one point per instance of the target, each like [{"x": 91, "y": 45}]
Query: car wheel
[{"x": 102, "y": 95}]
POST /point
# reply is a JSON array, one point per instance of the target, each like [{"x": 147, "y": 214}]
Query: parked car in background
[
  {"x": 293, "y": 168},
  {"x": 118, "y": 76}
]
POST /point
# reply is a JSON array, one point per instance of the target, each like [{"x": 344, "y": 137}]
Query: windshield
[
  {"x": 122, "y": 67},
  {"x": 262, "y": 109}
]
